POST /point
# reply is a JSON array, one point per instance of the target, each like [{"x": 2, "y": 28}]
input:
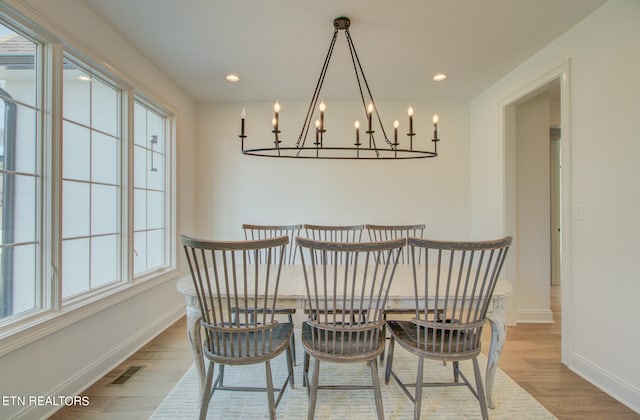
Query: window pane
[
  {"x": 150, "y": 154},
  {"x": 140, "y": 252},
  {"x": 104, "y": 209},
  {"x": 22, "y": 157},
  {"x": 104, "y": 159},
  {"x": 24, "y": 208},
  {"x": 140, "y": 167},
  {"x": 155, "y": 207},
  {"x": 105, "y": 108},
  {"x": 155, "y": 176},
  {"x": 76, "y": 151},
  {"x": 75, "y": 267},
  {"x": 18, "y": 69},
  {"x": 139, "y": 210},
  {"x": 18, "y": 263},
  {"x": 76, "y": 94},
  {"x": 104, "y": 260},
  {"x": 155, "y": 127},
  {"x": 155, "y": 250},
  {"x": 75, "y": 209},
  {"x": 140, "y": 127}
]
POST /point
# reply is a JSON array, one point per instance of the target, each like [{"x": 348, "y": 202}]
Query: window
[
  {"x": 150, "y": 227},
  {"x": 86, "y": 210},
  {"x": 91, "y": 190},
  {"x": 19, "y": 174}
]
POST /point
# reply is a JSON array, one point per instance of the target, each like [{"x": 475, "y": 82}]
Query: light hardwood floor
[{"x": 531, "y": 357}]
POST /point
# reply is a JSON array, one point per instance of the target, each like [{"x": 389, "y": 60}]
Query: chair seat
[
  {"x": 440, "y": 344},
  {"x": 341, "y": 347},
  {"x": 245, "y": 348}
]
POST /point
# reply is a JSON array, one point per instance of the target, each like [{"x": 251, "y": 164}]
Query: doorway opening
[{"x": 536, "y": 206}]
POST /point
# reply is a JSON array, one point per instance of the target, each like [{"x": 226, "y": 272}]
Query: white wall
[
  {"x": 69, "y": 359},
  {"x": 600, "y": 281},
  {"x": 235, "y": 189}
]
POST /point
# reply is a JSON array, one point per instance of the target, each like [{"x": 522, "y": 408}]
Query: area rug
[{"x": 443, "y": 403}]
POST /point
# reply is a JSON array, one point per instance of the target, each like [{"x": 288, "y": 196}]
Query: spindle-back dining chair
[
  {"x": 344, "y": 305},
  {"x": 344, "y": 233},
  {"x": 453, "y": 290},
  {"x": 224, "y": 279},
  {"x": 256, "y": 232},
  {"x": 385, "y": 233}
]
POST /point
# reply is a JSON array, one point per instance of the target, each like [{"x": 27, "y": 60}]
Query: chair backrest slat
[
  {"x": 457, "y": 283},
  {"x": 345, "y": 300},
  {"x": 388, "y": 232},
  {"x": 344, "y": 233},
  {"x": 258, "y": 232},
  {"x": 237, "y": 299}
]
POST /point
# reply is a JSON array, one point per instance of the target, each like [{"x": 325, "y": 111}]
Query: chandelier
[{"x": 361, "y": 145}]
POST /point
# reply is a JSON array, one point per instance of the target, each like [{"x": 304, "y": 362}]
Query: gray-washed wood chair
[
  {"x": 224, "y": 279},
  {"x": 256, "y": 232},
  {"x": 453, "y": 292},
  {"x": 344, "y": 305},
  {"x": 388, "y": 232},
  {"x": 344, "y": 233}
]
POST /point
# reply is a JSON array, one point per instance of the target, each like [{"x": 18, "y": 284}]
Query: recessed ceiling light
[
  {"x": 439, "y": 77},
  {"x": 233, "y": 77}
]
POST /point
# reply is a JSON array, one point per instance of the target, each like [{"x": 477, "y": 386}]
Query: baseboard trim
[
  {"x": 621, "y": 390},
  {"x": 87, "y": 376},
  {"x": 535, "y": 316}
]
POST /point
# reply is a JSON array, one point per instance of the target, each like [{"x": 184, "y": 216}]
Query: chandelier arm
[
  {"x": 366, "y": 83},
  {"x": 352, "y": 51},
  {"x": 316, "y": 93}
]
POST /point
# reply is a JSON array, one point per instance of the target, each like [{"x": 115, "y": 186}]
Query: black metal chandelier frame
[{"x": 317, "y": 150}]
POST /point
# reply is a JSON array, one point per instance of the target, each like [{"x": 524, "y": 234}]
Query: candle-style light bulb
[
  {"x": 322, "y": 107},
  {"x": 396, "y": 124},
  {"x": 317, "y": 133},
  {"x": 276, "y": 107},
  {"x": 435, "y": 118},
  {"x": 273, "y": 122},
  {"x": 243, "y": 115},
  {"x": 357, "y": 126},
  {"x": 410, "y": 113},
  {"x": 369, "y": 113}
]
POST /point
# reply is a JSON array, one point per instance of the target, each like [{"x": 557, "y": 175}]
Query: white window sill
[{"x": 41, "y": 324}]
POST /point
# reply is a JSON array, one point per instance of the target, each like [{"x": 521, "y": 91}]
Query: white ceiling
[{"x": 277, "y": 47}]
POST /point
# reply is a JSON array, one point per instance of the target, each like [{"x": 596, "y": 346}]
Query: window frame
[{"x": 53, "y": 313}]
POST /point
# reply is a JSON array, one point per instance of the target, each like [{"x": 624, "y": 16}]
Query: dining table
[{"x": 292, "y": 293}]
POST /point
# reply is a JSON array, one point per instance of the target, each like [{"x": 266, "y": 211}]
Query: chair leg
[
  {"x": 384, "y": 334},
  {"x": 305, "y": 370},
  {"x": 293, "y": 342},
  {"x": 387, "y": 374},
  {"x": 221, "y": 376},
  {"x": 290, "y": 367},
  {"x": 482, "y": 399},
  {"x": 418, "y": 398},
  {"x": 206, "y": 392},
  {"x": 313, "y": 389},
  {"x": 270, "y": 396},
  {"x": 456, "y": 375},
  {"x": 376, "y": 388}
]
